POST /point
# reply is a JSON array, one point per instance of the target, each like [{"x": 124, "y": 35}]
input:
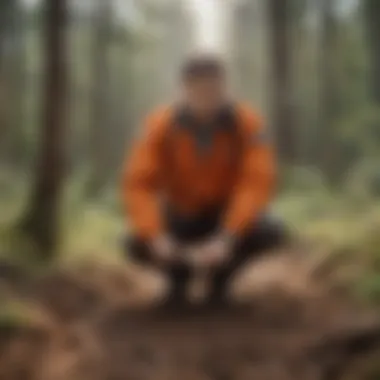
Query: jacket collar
[{"x": 223, "y": 120}]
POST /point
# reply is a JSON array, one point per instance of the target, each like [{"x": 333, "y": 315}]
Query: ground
[
  {"x": 294, "y": 316},
  {"x": 105, "y": 322}
]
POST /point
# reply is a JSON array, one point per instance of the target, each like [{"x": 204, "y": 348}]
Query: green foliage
[
  {"x": 141, "y": 57},
  {"x": 13, "y": 315},
  {"x": 363, "y": 180},
  {"x": 303, "y": 179},
  {"x": 361, "y": 130},
  {"x": 369, "y": 288}
]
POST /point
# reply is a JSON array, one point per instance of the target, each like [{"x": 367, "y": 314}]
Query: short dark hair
[{"x": 203, "y": 66}]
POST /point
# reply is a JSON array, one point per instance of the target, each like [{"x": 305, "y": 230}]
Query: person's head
[{"x": 204, "y": 83}]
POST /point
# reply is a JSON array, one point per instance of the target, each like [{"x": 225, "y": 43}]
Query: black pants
[{"x": 264, "y": 235}]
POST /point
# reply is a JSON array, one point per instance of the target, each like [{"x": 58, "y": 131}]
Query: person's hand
[
  {"x": 164, "y": 249},
  {"x": 213, "y": 252}
]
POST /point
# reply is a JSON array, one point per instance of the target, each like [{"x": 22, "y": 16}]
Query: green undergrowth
[{"x": 339, "y": 223}]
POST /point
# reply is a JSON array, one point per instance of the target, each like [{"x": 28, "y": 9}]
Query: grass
[{"x": 96, "y": 229}]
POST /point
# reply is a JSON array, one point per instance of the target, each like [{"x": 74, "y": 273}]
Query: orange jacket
[{"x": 166, "y": 164}]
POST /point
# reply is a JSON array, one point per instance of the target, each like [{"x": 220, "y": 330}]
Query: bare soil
[{"x": 100, "y": 322}]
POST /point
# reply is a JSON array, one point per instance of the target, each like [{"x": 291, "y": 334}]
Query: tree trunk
[
  {"x": 16, "y": 140},
  {"x": 282, "y": 88},
  {"x": 99, "y": 119},
  {"x": 328, "y": 94},
  {"x": 122, "y": 107},
  {"x": 12, "y": 76},
  {"x": 282, "y": 91},
  {"x": 41, "y": 222},
  {"x": 4, "y": 26},
  {"x": 372, "y": 13},
  {"x": 244, "y": 32}
]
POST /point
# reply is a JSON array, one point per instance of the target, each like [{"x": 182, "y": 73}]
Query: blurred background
[{"x": 77, "y": 76}]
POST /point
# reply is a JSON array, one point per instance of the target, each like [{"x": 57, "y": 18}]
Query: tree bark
[
  {"x": 99, "y": 133},
  {"x": 41, "y": 222},
  {"x": 244, "y": 32},
  {"x": 12, "y": 77},
  {"x": 282, "y": 89},
  {"x": 17, "y": 75},
  {"x": 372, "y": 15},
  {"x": 329, "y": 99}
]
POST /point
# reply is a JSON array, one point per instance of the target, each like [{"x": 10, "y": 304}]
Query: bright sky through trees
[{"x": 208, "y": 21}]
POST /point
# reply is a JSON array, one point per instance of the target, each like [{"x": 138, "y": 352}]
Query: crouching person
[{"x": 202, "y": 174}]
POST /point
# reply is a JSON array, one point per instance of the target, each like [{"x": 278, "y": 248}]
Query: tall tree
[
  {"x": 244, "y": 51},
  {"x": 123, "y": 104},
  {"x": 372, "y": 13},
  {"x": 41, "y": 221},
  {"x": 281, "y": 75},
  {"x": 99, "y": 118},
  {"x": 12, "y": 76},
  {"x": 170, "y": 26},
  {"x": 6, "y": 12},
  {"x": 329, "y": 97}
]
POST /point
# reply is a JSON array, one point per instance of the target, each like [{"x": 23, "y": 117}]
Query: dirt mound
[{"x": 97, "y": 322}]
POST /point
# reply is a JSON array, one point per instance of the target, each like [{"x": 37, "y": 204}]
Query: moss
[{"x": 13, "y": 316}]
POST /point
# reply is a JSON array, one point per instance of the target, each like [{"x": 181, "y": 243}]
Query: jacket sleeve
[
  {"x": 141, "y": 181},
  {"x": 256, "y": 178}
]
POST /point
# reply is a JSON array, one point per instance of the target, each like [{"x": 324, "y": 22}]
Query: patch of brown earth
[{"x": 105, "y": 323}]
